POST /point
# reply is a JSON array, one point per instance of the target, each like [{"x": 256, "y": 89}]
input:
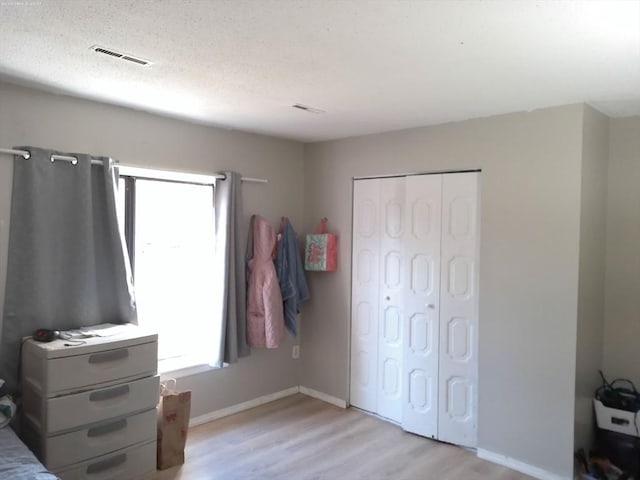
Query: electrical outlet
[{"x": 295, "y": 353}]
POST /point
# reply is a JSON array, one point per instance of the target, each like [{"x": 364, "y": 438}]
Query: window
[{"x": 169, "y": 227}]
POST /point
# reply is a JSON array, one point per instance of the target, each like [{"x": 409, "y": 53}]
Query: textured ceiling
[{"x": 371, "y": 65}]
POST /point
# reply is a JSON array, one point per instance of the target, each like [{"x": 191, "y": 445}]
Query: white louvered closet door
[
  {"x": 392, "y": 287},
  {"x": 422, "y": 305},
  {"x": 365, "y": 287},
  {"x": 458, "y": 368},
  {"x": 415, "y": 303},
  {"x": 377, "y": 296}
]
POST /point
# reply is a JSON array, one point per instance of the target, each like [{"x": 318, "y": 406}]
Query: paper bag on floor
[{"x": 173, "y": 423}]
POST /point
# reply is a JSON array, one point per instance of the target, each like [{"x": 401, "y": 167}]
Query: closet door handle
[
  {"x": 431, "y": 305},
  {"x": 101, "y": 395}
]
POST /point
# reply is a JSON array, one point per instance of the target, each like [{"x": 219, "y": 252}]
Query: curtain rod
[{"x": 74, "y": 161}]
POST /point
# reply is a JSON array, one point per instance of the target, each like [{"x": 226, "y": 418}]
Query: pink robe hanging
[{"x": 265, "y": 318}]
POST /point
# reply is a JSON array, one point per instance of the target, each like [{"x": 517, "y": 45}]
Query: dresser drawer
[
  {"x": 130, "y": 463},
  {"x": 100, "y": 439},
  {"x": 73, "y": 411},
  {"x": 84, "y": 371}
]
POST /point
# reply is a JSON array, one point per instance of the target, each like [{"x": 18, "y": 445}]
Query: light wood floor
[{"x": 301, "y": 438}]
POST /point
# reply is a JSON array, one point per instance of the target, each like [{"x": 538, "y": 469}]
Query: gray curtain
[
  {"x": 231, "y": 277},
  {"x": 67, "y": 262}
]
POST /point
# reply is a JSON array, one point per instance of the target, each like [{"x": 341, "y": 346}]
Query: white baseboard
[
  {"x": 338, "y": 402},
  {"x": 522, "y": 467},
  {"x": 225, "y": 412}
]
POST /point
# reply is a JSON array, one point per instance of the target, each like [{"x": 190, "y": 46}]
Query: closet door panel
[
  {"x": 392, "y": 270},
  {"x": 365, "y": 303},
  {"x": 421, "y": 304},
  {"x": 458, "y": 356}
]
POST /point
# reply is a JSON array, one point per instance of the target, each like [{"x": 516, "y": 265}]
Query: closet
[{"x": 414, "y": 318}]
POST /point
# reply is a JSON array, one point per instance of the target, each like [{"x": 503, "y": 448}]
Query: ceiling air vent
[
  {"x": 106, "y": 52},
  {"x": 307, "y": 108},
  {"x": 135, "y": 60},
  {"x": 120, "y": 55}
]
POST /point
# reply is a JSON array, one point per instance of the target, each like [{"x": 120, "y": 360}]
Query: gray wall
[
  {"x": 30, "y": 117},
  {"x": 542, "y": 185},
  {"x": 622, "y": 294},
  {"x": 530, "y": 222},
  {"x": 590, "y": 328}
]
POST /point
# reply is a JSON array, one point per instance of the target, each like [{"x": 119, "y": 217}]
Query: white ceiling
[{"x": 371, "y": 65}]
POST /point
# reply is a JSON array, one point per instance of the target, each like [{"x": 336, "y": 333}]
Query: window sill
[{"x": 182, "y": 367}]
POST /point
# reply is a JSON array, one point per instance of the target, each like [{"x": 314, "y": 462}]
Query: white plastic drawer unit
[
  {"x": 130, "y": 463},
  {"x": 71, "y": 411},
  {"x": 89, "y": 406},
  {"x": 100, "y": 439}
]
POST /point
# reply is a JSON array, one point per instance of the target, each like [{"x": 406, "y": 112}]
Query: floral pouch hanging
[{"x": 321, "y": 249}]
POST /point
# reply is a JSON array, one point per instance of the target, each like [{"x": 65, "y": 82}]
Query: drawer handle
[
  {"x": 106, "y": 464},
  {"x": 111, "y": 356},
  {"x": 101, "y": 395},
  {"x": 106, "y": 429}
]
